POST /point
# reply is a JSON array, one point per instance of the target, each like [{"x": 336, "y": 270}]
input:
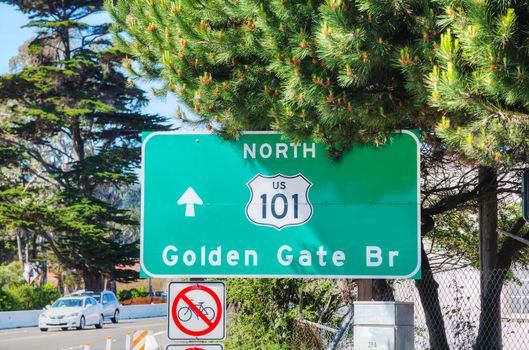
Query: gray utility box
[{"x": 383, "y": 325}]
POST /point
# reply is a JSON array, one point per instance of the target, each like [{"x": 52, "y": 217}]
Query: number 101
[{"x": 279, "y": 210}]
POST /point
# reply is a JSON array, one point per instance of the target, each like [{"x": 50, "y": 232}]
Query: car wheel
[
  {"x": 64, "y": 328},
  {"x": 44, "y": 329},
  {"x": 82, "y": 323},
  {"x": 115, "y": 319},
  {"x": 101, "y": 321}
]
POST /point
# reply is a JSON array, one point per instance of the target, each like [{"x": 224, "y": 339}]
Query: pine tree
[
  {"x": 308, "y": 68},
  {"x": 75, "y": 116},
  {"x": 476, "y": 76}
]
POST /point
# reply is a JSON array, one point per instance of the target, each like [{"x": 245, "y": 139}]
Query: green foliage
[
  {"x": 507, "y": 217},
  {"x": 138, "y": 292},
  {"x": 33, "y": 297},
  {"x": 456, "y": 235},
  {"x": 10, "y": 274},
  {"x": 315, "y": 69},
  {"x": 75, "y": 120},
  {"x": 124, "y": 294},
  {"x": 8, "y": 249},
  {"x": 477, "y": 75},
  {"x": 27, "y": 297},
  {"x": 7, "y": 301},
  {"x": 456, "y": 232},
  {"x": 268, "y": 308},
  {"x": 127, "y": 294}
]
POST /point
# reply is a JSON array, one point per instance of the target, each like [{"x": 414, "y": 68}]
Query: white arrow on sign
[{"x": 190, "y": 198}]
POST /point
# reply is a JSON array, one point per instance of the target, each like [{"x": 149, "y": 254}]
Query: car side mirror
[
  {"x": 105, "y": 302},
  {"x": 88, "y": 306}
]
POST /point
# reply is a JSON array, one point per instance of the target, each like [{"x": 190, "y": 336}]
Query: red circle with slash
[{"x": 211, "y": 325}]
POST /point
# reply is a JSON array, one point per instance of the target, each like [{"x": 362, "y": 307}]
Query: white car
[
  {"x": 78, "y": 311},
  {"x": 108, "y": 301}
]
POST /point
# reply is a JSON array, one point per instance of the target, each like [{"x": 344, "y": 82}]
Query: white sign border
[{"x": 178, "y": 132}]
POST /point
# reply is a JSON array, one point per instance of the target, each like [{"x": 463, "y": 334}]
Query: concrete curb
[{"x": 30, "y": 318}]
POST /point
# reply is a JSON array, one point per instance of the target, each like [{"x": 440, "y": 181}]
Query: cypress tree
[{"x": 75, "y": 116}]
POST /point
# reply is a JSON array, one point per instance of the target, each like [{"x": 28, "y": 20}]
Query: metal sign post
[{"x": 525, "y": 195}]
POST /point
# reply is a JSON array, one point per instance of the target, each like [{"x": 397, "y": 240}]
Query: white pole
[
  {"x": 109, "y": 343},
  {"x": 127, "y": 341},
  {"x": 513, "y": 236},
  {"x": 86, "y": 346}
]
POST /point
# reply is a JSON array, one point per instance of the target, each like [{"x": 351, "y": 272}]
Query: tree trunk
[
  {"x": 34, "y": 248},
  {"x": 488, "y": 222},
  {"x": 492, "y": 298},
  {"x": 111, "y": 285},
  {"x": 26, "y": 249},
  {"x": 365, "y": 290},
  {"x": 375, "y": 289},
  {"x": 489, "y": 334},
  {"x": 60, "y": 282},
  {"x": 43, "y": 273},
  {"x": 19, "y": 251},
  {"x": 345, "y": 290},
  {"x": 382, "y": 291},
  {"x": 93, "y": 281},
  {"x": 428, "y": 292}
]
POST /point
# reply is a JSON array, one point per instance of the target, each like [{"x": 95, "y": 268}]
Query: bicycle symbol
[{"x": 186, "y": 312}]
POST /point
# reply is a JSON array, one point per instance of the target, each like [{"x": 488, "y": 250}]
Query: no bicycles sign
[{"x": 197, "y": 311}]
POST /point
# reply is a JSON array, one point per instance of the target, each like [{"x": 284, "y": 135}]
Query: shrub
[
  {"x": 126, "y": 294},
  {"x": 46, "y": 295},
  {"x": 7, "y": 301},
  {"x": 139, "y": 292},
  {"x": 10, "y": 274},
  {"x": 268, "y": 309},
  {"x": 32, "y": 297}
]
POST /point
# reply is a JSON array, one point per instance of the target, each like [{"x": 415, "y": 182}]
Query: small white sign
[
  {"x": 279, "y": 200},
  {"x": 195, "y": 347},
  {"x": 197, "y": 311},
  {"x": 30, "y": 273}
]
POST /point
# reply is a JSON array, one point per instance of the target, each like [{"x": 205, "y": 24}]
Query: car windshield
[{"x": 68, "y": 303}]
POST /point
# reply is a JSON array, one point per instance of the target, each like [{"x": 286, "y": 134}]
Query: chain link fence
[
  {"x": 459, "y": 301},
  {"x": 308, "y": 335}
]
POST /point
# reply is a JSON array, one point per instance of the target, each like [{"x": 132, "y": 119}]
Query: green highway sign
[{"x": 262, "y": 206}]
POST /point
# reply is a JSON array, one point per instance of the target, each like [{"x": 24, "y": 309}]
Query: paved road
[{"x": 33, "y": 339}]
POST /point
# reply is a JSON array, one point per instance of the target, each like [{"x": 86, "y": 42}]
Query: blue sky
[{"x": 12, "y": 36}]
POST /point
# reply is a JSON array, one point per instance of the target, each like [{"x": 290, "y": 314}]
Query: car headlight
[{"x": 44, "y": 315}]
